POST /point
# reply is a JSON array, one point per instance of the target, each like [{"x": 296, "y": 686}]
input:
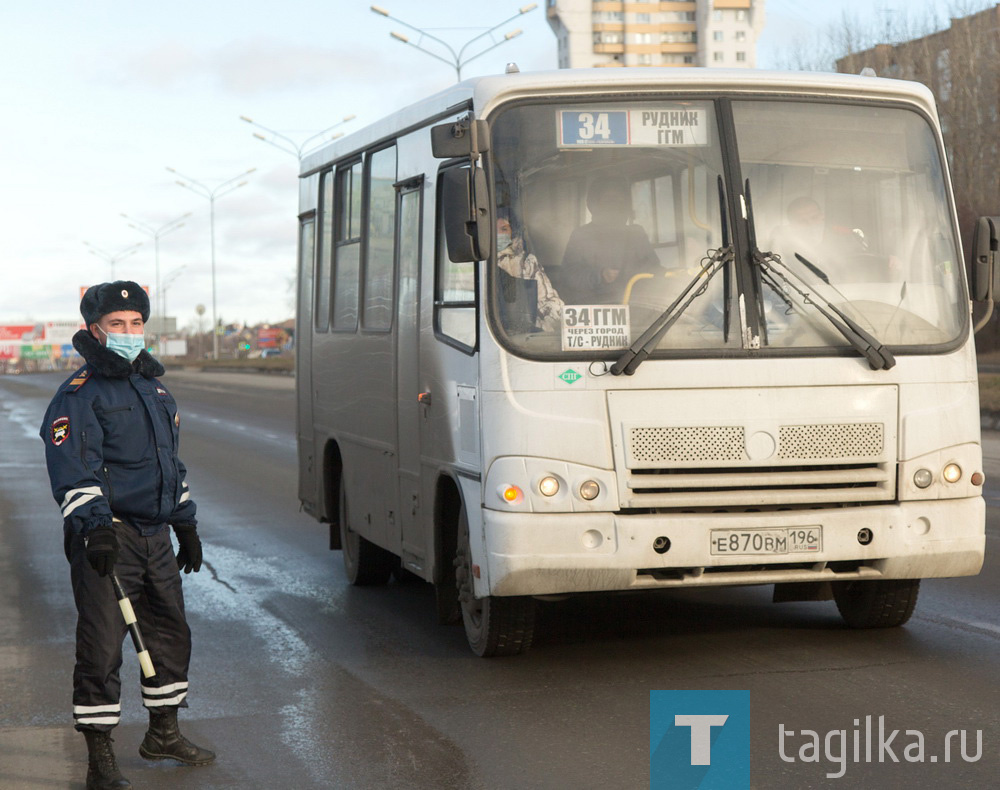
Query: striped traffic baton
[{"x": 133, "y": 628}]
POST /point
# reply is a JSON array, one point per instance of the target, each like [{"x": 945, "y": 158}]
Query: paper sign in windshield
[
  {"x": 590, "y": 327},
  {"x": 669, "y": 125}
]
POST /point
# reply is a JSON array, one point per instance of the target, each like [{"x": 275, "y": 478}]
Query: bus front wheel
[
  {"x": 880, "y": 603},
  {"x": 364, "y": 563},
  {"x": 494, "y": 625}
]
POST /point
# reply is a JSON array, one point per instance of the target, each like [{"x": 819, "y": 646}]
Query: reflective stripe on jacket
[{"x": 111, "y": 447}]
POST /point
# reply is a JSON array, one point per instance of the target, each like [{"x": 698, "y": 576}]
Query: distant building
[
  {"x": 961, "y": 66},
  {"x": 932, "y": 59},
  {"x": 714, "y": 33}
]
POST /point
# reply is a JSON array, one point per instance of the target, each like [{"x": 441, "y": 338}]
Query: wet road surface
[{"x": 299, "y": 680}]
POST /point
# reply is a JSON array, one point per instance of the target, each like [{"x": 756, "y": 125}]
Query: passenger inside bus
[
  {"x": 528, "y": 300},
  {"x": 603, "y": 255},
  {"x": 837, "y": 251}
]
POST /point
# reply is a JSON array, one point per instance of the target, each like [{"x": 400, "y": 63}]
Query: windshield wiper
[
  {"x": 637, "y": 353},
  {"x": 879, "y": 357},
  {"x": 813, "y": 268},
  {"x": 727, "y": 275}
]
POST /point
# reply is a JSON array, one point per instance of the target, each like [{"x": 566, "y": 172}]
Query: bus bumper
[{"x": 545, "y": 554}]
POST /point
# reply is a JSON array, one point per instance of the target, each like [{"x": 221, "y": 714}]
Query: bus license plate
[{"x": 792, "y": 540}]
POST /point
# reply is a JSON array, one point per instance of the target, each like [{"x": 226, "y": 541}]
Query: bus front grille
[
  {"x": 650, "y": 446},
  {"x": 755, "y": 447},
  {"x": 748, "y": 486}
]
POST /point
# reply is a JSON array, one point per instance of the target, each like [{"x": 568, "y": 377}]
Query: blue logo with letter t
[{"x": 699, "y": 740}]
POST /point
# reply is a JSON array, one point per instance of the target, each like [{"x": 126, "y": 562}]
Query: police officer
[{"x": 111, "y": 434}]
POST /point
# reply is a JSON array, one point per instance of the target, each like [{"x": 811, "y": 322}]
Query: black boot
[
  {"x": 164, "y": 741},
  {"x": 102, "y": 767}
]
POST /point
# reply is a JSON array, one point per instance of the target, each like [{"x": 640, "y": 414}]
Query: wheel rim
[{"x": 472, "y": 607}]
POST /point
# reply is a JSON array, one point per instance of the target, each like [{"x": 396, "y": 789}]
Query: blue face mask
[{"x": 125, "y": 345}]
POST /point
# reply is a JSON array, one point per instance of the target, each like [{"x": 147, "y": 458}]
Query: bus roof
[{"x": 481, "y": 93}]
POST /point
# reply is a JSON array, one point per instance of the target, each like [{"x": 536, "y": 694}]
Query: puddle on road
[{"x": 344, "y": 732}]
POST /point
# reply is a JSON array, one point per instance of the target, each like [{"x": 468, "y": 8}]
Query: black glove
[
  {"x": 189, "y": 553},
  {"x": 102, "y": 549}
]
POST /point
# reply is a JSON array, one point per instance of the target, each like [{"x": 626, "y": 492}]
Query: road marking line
[{"x": 965, "y": 625}]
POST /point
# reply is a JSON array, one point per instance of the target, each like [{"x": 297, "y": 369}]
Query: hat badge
[{"x": 124, "y": 294}]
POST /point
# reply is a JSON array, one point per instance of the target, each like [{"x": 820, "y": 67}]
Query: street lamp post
[
  {"x": 156, "y": 234},
  {"x": 211, "y": 195},
  {"x": 168, "y": 278},
  {"x": 112, "y": 259},
  {"x": 200, "y": 310},
  {"x": 278, "y": 140},
  {"x": 456, "y": 60}
]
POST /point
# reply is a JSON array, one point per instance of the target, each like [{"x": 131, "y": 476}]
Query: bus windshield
[{"x": 606, "y": 212}]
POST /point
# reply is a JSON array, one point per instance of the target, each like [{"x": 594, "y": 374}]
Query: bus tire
[
  {"x": 882, "y": 603},
  {"x": 365, "y": 564},
  {"x": 494, "y": 625}
]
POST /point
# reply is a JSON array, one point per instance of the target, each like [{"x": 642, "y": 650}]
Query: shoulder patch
[
  {"x": 60, "y": 430},
  {"x": 79, "y": 380}
]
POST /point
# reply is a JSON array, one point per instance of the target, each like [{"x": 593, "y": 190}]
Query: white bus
[{"x": 626, "y": 329}]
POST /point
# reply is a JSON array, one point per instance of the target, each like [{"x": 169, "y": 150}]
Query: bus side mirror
[
  {"x": 984, "y": 249},
  {"x": 466, "y": 214},
  {"x": 461, "y": 138}
]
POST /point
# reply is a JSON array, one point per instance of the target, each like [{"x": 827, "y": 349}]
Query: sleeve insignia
[{"x": 60, "y": 430}]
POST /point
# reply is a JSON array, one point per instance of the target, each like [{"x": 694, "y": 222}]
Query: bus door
[
  {"x": 408, "y": 422},
  {"x": 308, "y": 481}
]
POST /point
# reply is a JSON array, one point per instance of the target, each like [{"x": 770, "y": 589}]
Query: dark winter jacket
[{"x": 111, "y": 434}]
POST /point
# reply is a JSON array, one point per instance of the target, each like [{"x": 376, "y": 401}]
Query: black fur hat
[{"x": 104, "y": 298}]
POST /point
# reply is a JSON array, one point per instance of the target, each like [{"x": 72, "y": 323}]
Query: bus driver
[{"x": 603, "y": 255}]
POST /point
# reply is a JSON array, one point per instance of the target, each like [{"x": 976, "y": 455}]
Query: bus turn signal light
[{"x": 511, "y": 494}]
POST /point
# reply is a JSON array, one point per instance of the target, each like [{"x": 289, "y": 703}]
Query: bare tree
[
  {"x": 854, "y": 33},
  {"x": 960, "y": 63}
]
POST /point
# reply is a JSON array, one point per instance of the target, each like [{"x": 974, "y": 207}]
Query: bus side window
[
  {"x": 381, "y": 220},
  {"x": 347, "y": 244},
  {"x": 454, "y": 290},
  {"x": 324, "y": 261},
  {"x": 307, "y": 256}
]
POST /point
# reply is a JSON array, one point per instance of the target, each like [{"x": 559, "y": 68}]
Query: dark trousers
[{"x": 147, "y": 570}]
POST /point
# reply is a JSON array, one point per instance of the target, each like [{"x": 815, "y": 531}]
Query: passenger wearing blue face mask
[
  {"x": 522, "y": 265},
  {"x": 111, "y": 435}
]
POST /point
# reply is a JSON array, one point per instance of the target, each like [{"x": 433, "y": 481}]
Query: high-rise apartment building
[{"x": 719, "y": 33}]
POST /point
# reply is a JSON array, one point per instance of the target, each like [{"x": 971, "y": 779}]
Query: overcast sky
[{"x": 99, "y": 97}]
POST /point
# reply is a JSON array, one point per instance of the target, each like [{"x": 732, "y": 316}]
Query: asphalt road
[{"x": 299, "y": 680}]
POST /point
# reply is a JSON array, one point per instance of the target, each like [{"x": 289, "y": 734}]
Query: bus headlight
[
  {"x": 952, "y": 473},
  {"x": 549, "y": 486},
  {"x": 922, "y": 478},
  {"x": 590, "y": 490}
]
